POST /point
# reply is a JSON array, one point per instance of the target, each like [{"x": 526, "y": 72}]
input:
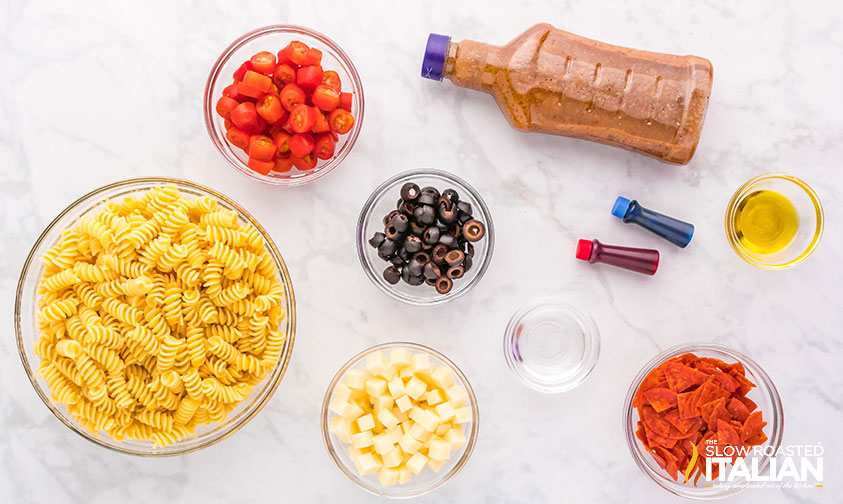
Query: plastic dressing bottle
[{"x": 551, "y": 81}]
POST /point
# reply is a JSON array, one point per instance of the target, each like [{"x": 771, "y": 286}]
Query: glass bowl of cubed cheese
[{"x": 399, "y": 420}]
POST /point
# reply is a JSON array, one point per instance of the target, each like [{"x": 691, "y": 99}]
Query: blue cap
[
  {"x": 620, "y": 208},
  {"x": 434, "y": 56}
]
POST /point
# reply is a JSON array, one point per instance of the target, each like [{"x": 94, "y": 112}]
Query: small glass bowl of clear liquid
[{"x": 551, "y": 345}]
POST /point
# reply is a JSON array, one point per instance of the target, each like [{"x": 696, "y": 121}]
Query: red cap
[{"x": 584, "y": 250}]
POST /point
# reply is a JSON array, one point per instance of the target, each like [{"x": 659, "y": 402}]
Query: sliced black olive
[
  {"x": 387, "y": 249},
  {"x": 401, "y": 223},
  {"x": 416, "y": 280},
  {"x": 389, "y": 216},
  {"x": 447, "y": 240},
  {"x": 465, "y": 207},
  {"x": 413, "y": 244},
  {"x": 431, "y": 235},
  {"x": 473, "y": 230},
  {"x": 454, "y": 257},
  {"x": 455, "y": 272},
  {"x": 391, "y": 275},
  {"x": 438, "y": 254},
  {"x": 427, "y": 199},
  {"x": 443, "y": 285},
  {"x": 431, "y": 271},
  {"x": 410, "y": 191},
  {"x": 377, "y": 239},
  {"x": 424, "y": 214},
  {"x": 414, "y": 267}
]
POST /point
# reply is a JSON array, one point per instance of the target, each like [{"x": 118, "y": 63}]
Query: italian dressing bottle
[{"x": 551, "y": 81}]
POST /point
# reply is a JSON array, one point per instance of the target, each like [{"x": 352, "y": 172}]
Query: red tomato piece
[
  {"x": 262, "y": 167},
  {"x": 324, "y": 146},
  {"x": 231, "y": 91},
  {"x": 257, "y": 81},
  {"x": 345, "y": 101},
  {"x": 292, "y": 96},
  {"x": 308, "y": 77},
  {"x": 228, "y": 124},
  {"x": 244, "y": 116},
  {"x": 269, "y": 107},
  {"x": 282, "y": 142},
  {"x": 238, "y": 138},
  {"x": 302, "y": 118},
  {"x": 341, "y": 121},
  {"x": 244, "y": 90},
  {"x": 332, "y": 79},
  {"x": 225, "y": 105},
  {"x": 295, "y": 52},
  {"x": 283, "y": 164},
  {"x": 321, "y": 124},
  {"x": 261, "y": 147},
  {"x": 241, "y": 72},
  {"x": 283, "y": 75},
  {"x": 325, "y": 97},
  {"x": 304, "y": 163},
  {"x": 301, "y": 144},
  {"x": 313, "y": 57},
  {"x": 263, "y": 62},
  {"x": 260, "y": 127}
]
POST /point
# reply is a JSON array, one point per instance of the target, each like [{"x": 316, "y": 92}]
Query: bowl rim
[
  {"x": 380, "y": 192},
  {"x": 418, "y": 347},
  {"x": 776, "y": 418},
  {"x": 224, "y": 149},
  {"x": 737, "y": 197},
  {"x": 26, "y": 270}
]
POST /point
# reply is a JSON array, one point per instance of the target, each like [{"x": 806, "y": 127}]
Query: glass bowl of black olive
[{"x": 425, "y": 237}]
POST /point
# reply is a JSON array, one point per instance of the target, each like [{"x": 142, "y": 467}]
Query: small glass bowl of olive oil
[{"x": 774, "y": 221}]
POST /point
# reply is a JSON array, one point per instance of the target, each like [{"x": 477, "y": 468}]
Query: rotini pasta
[{"x": 157, "y": 314}]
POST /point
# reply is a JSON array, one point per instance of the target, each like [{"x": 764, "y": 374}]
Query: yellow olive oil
[{"x": 766, "y": 222}]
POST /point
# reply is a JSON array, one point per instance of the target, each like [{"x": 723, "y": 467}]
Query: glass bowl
[
  {"x": 26, "y": 330},
  {"x": 382, "y": 201},
  {"x": 764, "y": 394},
  {"x": 273, "y": 39},
  {"x": 551, "y": 345},
  {"x": 427, "y": 480},
  {"x": 808, "y": 208}
]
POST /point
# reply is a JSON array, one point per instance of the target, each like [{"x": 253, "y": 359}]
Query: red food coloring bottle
[{"x": 640, "y": 260}]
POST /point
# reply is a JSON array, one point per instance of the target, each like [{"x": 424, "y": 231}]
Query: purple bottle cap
[{"x": 434, "y": 56}]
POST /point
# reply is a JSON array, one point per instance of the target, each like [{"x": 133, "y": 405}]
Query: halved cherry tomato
[
  {"x": 244, "y": 116},
  {"x": 244, "y": 90},
  {"x": 257, "y": 81},
  {"x": 283, "y": 163},
  {"x": 296, "y": 52},
  {"x": 238, "y": 138},
  {"x": 282, "y": 142},
  {"x": 341, "y": 121},
  {"x": 263, "y": 62},
  {"x": 283, "y": 75},
  {"x": 308, "y": 77},
  {"x": 228, "y": 124},
  {"x": 231, "y": 91},
  {"x": 304, "y": 163},
  {"x": 225, "y": 105},
  {"x": 325, "y": 97},
  {"x": 321, "y": 125},
  {"x": 324, "y": 146},
  {"x": 314, "y": 57},
  {"x": 291, "y": 96},
  {"x": 332, "y": 79},
  {"x": 345, "y": 101},
  {"x": 302, "y": 118},
  {"x": 261, "y": 147},
  {"x": 241, "y": 72},
  {"x": 269, "y": 107},
  {"x": 262, "y": 167},
  {"x": 260, "y": 127},
  {"x": 301, "y": 144}
]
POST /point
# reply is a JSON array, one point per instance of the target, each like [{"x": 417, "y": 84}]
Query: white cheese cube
[
  {"x": 442, "y": 377},
  {"x": 404, "y": 475},
  {"x": 456, "y": 394},
  {"x": 404, "y": 403},
  {"x": 387, "y": 476},
  {"x": 342, "y": 393},
  {"x": 393, "y": 458},
  {"x": 355, "y": 411},
  {"x": 400, "y": 415},
  {"x": 341, "y": 427},
  {"x": 409, "y": 444},
  {"x": 418, "y": 432},
  {"x": 355, "y": 379},
  {"x": 390, "y": 373},
  {"x": 455, "y": 438},
  {"x": 416, "y": 463},
  {"x": 433, "y": 397},
  {"x": 462, "y": 415},
  {"x": 439, "y": 449},
  {"x": 361, "y": 439},
  {"x": 396, "y": 387},
  {"x": 406, "y": 372},
  {"x": 435, "y": 464},
  {"x": 445, "y": 411},
  {"x": 376, "y": 362},
  {"x": 415, "y": 388},
  {"x": 387, "y": 418},
  {"x": 382, "y": 402},
  {"x": 399, "y": 357},
  {"x": 366, "y": 422},
  {"x": 366, "y": 464},
  {"x": 341, "y": 407},
  {"x": 426, "y": 418},
  {"x": 421, "y": 363},
  {"x": 382, "y": 443},
  {"x": 396, "y": 433},
  {"x": 442, "y": 429},
  {"x": 354, "y": 453},
  {"x": 375, "y": 386}
]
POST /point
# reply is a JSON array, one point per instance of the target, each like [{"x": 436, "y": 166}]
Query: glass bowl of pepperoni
[
  {"x": 339, "y": 72},
  {"x": 66, "y": 400},
  {"x": 693, "y": 403}
]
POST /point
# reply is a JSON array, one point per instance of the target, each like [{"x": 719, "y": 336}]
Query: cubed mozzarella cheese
[
  {"x": 366, "y": 422},
  {"x": 419, "y": 432},
  {"x": 455, "y": 438},
  {"x": 393, "y": 458},
  {"x": 404, "y": 475},
  {"x": 409, "y": 444},
  {"x": 439, "y": 449},
  {"x": 355, "y": 379},
  {"x": 456, "y": 394},
  {"x": 341, "y": 427},
  {"x": 387, "y": 476},
  {"x": 415, "y": 388},
  {"x": 442, "y": 377},
  {"x": 416, "y": 463},
  {"x": 404, "y": 403},
  {"x": 399, "y": 357},
  {"x": 382, "y": 443},
  {"x": 433, "y": 397},
  {"x": 387, "y": 418},
  {"x": 396, "y": 387},
  {"x": 435, "y": 464},
  {"x": 375, "y": 386},
  {"x": 366, "y": 464},
  {"x": 462, "y": 415},
  {"x": 445, "y": 411},
  {"x": 382, "y": 402},
  {"x": 376, "y": 362},
  {"x": 361, "y": 439}
]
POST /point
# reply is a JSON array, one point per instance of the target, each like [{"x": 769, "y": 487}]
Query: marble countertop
[{"x": 93, "y": 92}]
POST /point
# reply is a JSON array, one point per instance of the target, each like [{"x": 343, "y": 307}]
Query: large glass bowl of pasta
[{"x": 154, "y": 316}]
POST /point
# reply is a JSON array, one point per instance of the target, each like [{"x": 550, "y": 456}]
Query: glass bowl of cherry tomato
[{"x": 283, "y": 104}]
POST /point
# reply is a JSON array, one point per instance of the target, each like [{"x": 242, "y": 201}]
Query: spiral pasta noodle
[{"x": 158, "y": 314}]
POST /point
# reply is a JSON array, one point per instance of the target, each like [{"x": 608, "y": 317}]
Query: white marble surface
[{"x": 95, "y": 92}]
